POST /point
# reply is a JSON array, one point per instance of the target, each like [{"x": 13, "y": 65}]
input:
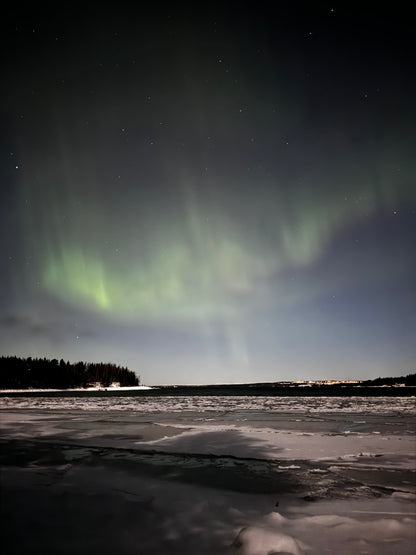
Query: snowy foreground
[{"x": 208, "y": 475}]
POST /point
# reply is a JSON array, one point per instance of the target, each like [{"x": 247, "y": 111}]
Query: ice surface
[
  {"x": 277, "y": 444},
  {"x": 210, "y": 475},
  {"x": 238, "y": 405}
]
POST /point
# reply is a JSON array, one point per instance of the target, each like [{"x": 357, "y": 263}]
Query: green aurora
[{"x": 200, "y": 261}]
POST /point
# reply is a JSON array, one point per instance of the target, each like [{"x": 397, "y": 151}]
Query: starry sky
[{"x": 216, "y": 193}]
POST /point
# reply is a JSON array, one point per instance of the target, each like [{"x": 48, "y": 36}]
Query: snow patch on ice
[
  {"x": 325, "y": 533},
  {"x": 405, "y": 495},
  {"x": 255, "y": 540},
  {"x": 288, "y": 467}
]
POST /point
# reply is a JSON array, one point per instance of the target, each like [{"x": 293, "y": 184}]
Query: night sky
[{"x": 214, "y": 193}]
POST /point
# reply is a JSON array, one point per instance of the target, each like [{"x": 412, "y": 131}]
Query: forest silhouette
[{"x": 42, "y": 373}]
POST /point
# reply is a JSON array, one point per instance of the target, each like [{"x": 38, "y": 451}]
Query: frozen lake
[
  {"x": 373, "y": 405},
  {"x": 248, "y": 475}
]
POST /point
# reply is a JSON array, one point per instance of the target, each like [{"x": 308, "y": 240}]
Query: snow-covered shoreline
[{"x": 78, "y": 389}]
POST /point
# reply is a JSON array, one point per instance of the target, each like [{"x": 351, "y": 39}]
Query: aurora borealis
[{"x": 211, "y": 196}]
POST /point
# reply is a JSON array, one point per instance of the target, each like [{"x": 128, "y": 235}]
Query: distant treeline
[
  {"x": 410, "y": 379},
  {"x": 42, "y": 373}
]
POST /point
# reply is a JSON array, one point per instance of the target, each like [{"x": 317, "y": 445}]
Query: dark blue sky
[{"x": 210, "y": 194}]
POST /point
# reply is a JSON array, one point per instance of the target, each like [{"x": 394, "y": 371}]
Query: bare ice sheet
[{"x": 252, "y": 477}]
